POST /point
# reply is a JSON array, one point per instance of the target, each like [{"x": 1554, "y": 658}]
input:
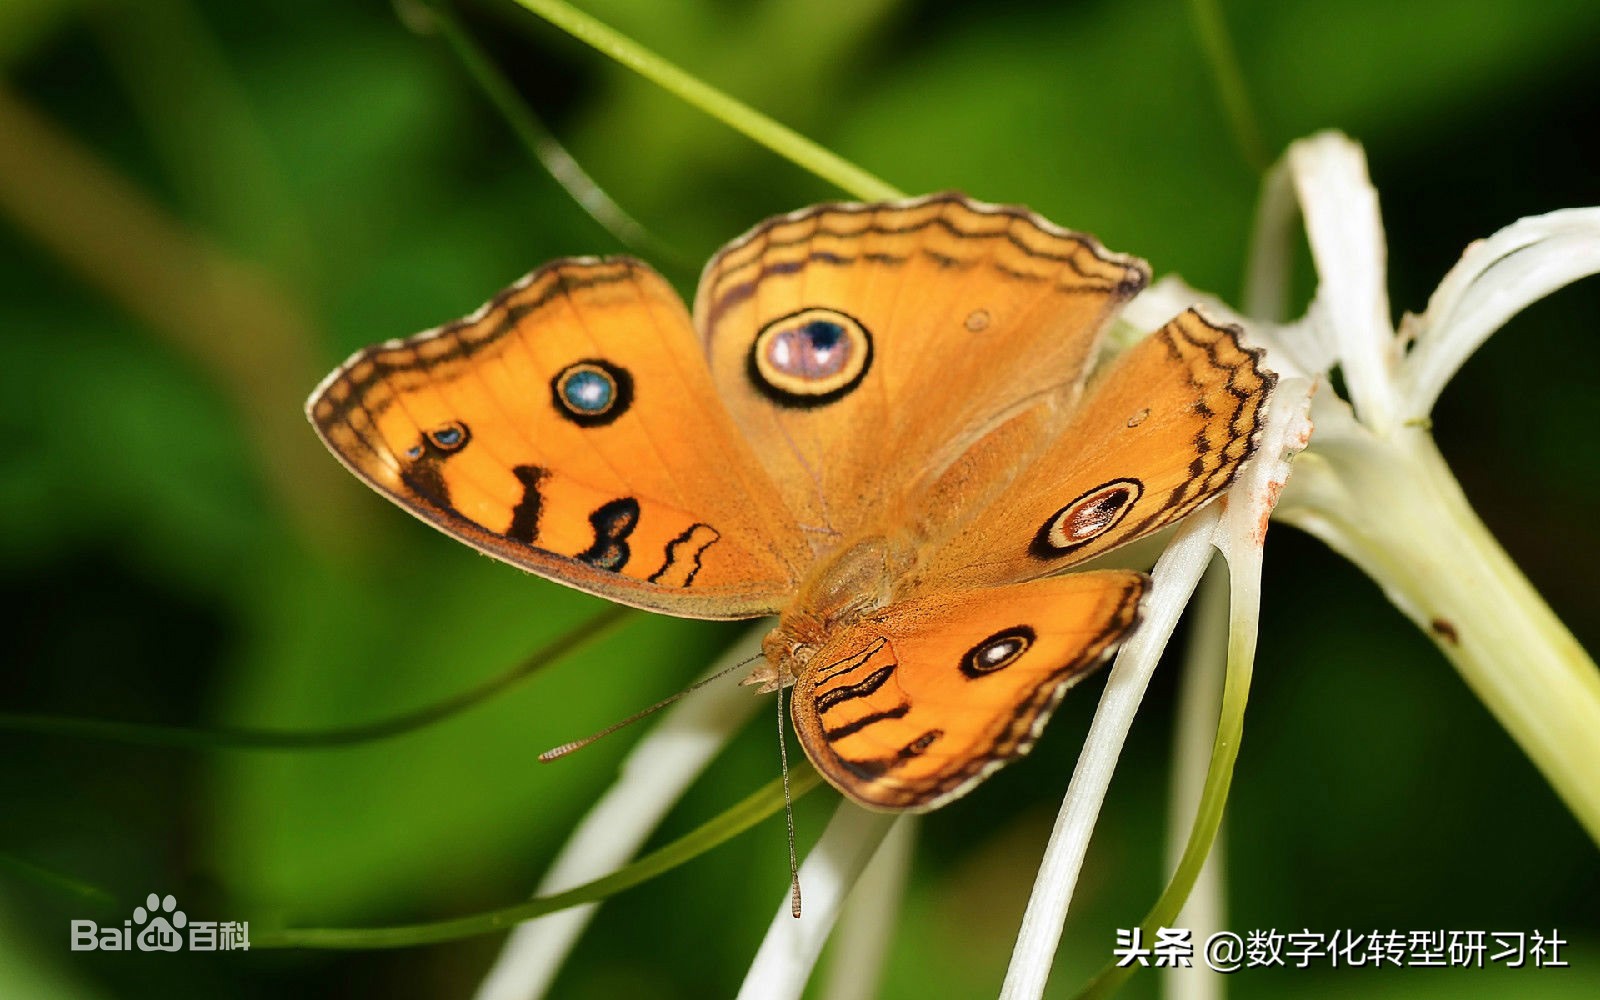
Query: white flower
[{"x": 1373, "y": 486}]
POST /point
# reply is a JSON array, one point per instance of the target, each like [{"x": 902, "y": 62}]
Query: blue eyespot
[
  {"x": 451, "y": 437},
  {"x": 592, "y": 393},
  {"x": 588, "y": 391}
]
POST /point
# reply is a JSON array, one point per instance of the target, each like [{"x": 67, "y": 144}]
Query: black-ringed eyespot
[
  {"x": 449, "y": 437},
  {"x": 998, "y": 651},
  {"x": 1086, "y": 518},
  {"x": 810, "y": 358},
  {"x": 592, "y": 392}
]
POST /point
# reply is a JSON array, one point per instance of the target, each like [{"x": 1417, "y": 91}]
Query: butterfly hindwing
[
  {"x": 570, "y": 427},
  {"x": 915, "y": 704}
]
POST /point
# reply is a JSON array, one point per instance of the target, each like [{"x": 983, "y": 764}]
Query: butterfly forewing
[
  {"x": 570, "y": 428},
  {"x": 1163, "y": 431},
  {"x": 859, "y": 346}
]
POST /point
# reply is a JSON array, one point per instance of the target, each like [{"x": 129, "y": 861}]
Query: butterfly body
[{"x": 877, "y": 424}]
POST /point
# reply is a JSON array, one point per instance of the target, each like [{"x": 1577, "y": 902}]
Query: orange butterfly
[{"x": 875, "y": 425}]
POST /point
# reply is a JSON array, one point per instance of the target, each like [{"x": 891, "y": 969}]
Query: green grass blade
[
  {"x": 1229, "y": 79},
  {"x": 230, "y": 738},
  {"x": 540, "y": 144},
  {"x": 55, "y": 881},
  {"x": 781, "y": 139}
]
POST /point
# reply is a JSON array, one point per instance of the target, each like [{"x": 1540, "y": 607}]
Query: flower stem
[
  {"x": 1391, "y": 506},
  {"x": 781, "y": 139}
]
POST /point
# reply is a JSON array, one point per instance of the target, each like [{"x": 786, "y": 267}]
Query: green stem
[
  {"x": 230, "y": 738},
  {"x": 56, "y": 881},
  {"x": 781, "y": 139},
  {"x": 1224, "y": 62},
  {"x": 1440, "y": 566},
  {"x": 1205, "y": 668},
  {"x": 754, "y": 808},
  {"x": 539, "y": 143}
]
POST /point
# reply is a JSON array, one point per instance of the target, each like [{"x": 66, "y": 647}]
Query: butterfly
[{"x": 877, "y": 423}]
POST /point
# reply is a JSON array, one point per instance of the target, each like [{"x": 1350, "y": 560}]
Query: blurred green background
[{"x": 206, "y": 204}]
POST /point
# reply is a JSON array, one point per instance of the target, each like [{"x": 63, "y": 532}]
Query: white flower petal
[
  {"x": 788, "y": 953},
  {"x": 1285, "y": 432},
  {"x": 1273, "y": 241},
  {"x": 868, "y": 925},
  {"x": 653, "y": 776},
  {"x": 1174, "y": 578},
  {"x": 1494, "y": 280},
  {"x": 1345, "y": 230}
]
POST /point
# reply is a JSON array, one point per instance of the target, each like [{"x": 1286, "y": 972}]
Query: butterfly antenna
[
  {"x": 788, "y": 813},
  {"x": 561, "y": 751}
]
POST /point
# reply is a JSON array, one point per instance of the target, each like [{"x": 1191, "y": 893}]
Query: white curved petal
[
  {"x": 1273, "y": 241},
  {"x": 1494, "y": 280},
  {"x": 1174, "y": 578},
  {"x": 867, "y": 927},
  {"x": 1345, "y": 230},
  {"x": 1242, "y": 530},
  {"x": 653, "y": 777},
  {"x": 1286, "y": 431},
  {"x": 788, "y": 953}
]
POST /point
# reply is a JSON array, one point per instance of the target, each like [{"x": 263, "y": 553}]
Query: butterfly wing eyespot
[
  {"x": 998, "y": 651},
  {"x": 449, "y": 437},
  {"x": 1086, "y": 518},
  {"x": 592, "y": 392},
  {"x": 810, "y": 358}
]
